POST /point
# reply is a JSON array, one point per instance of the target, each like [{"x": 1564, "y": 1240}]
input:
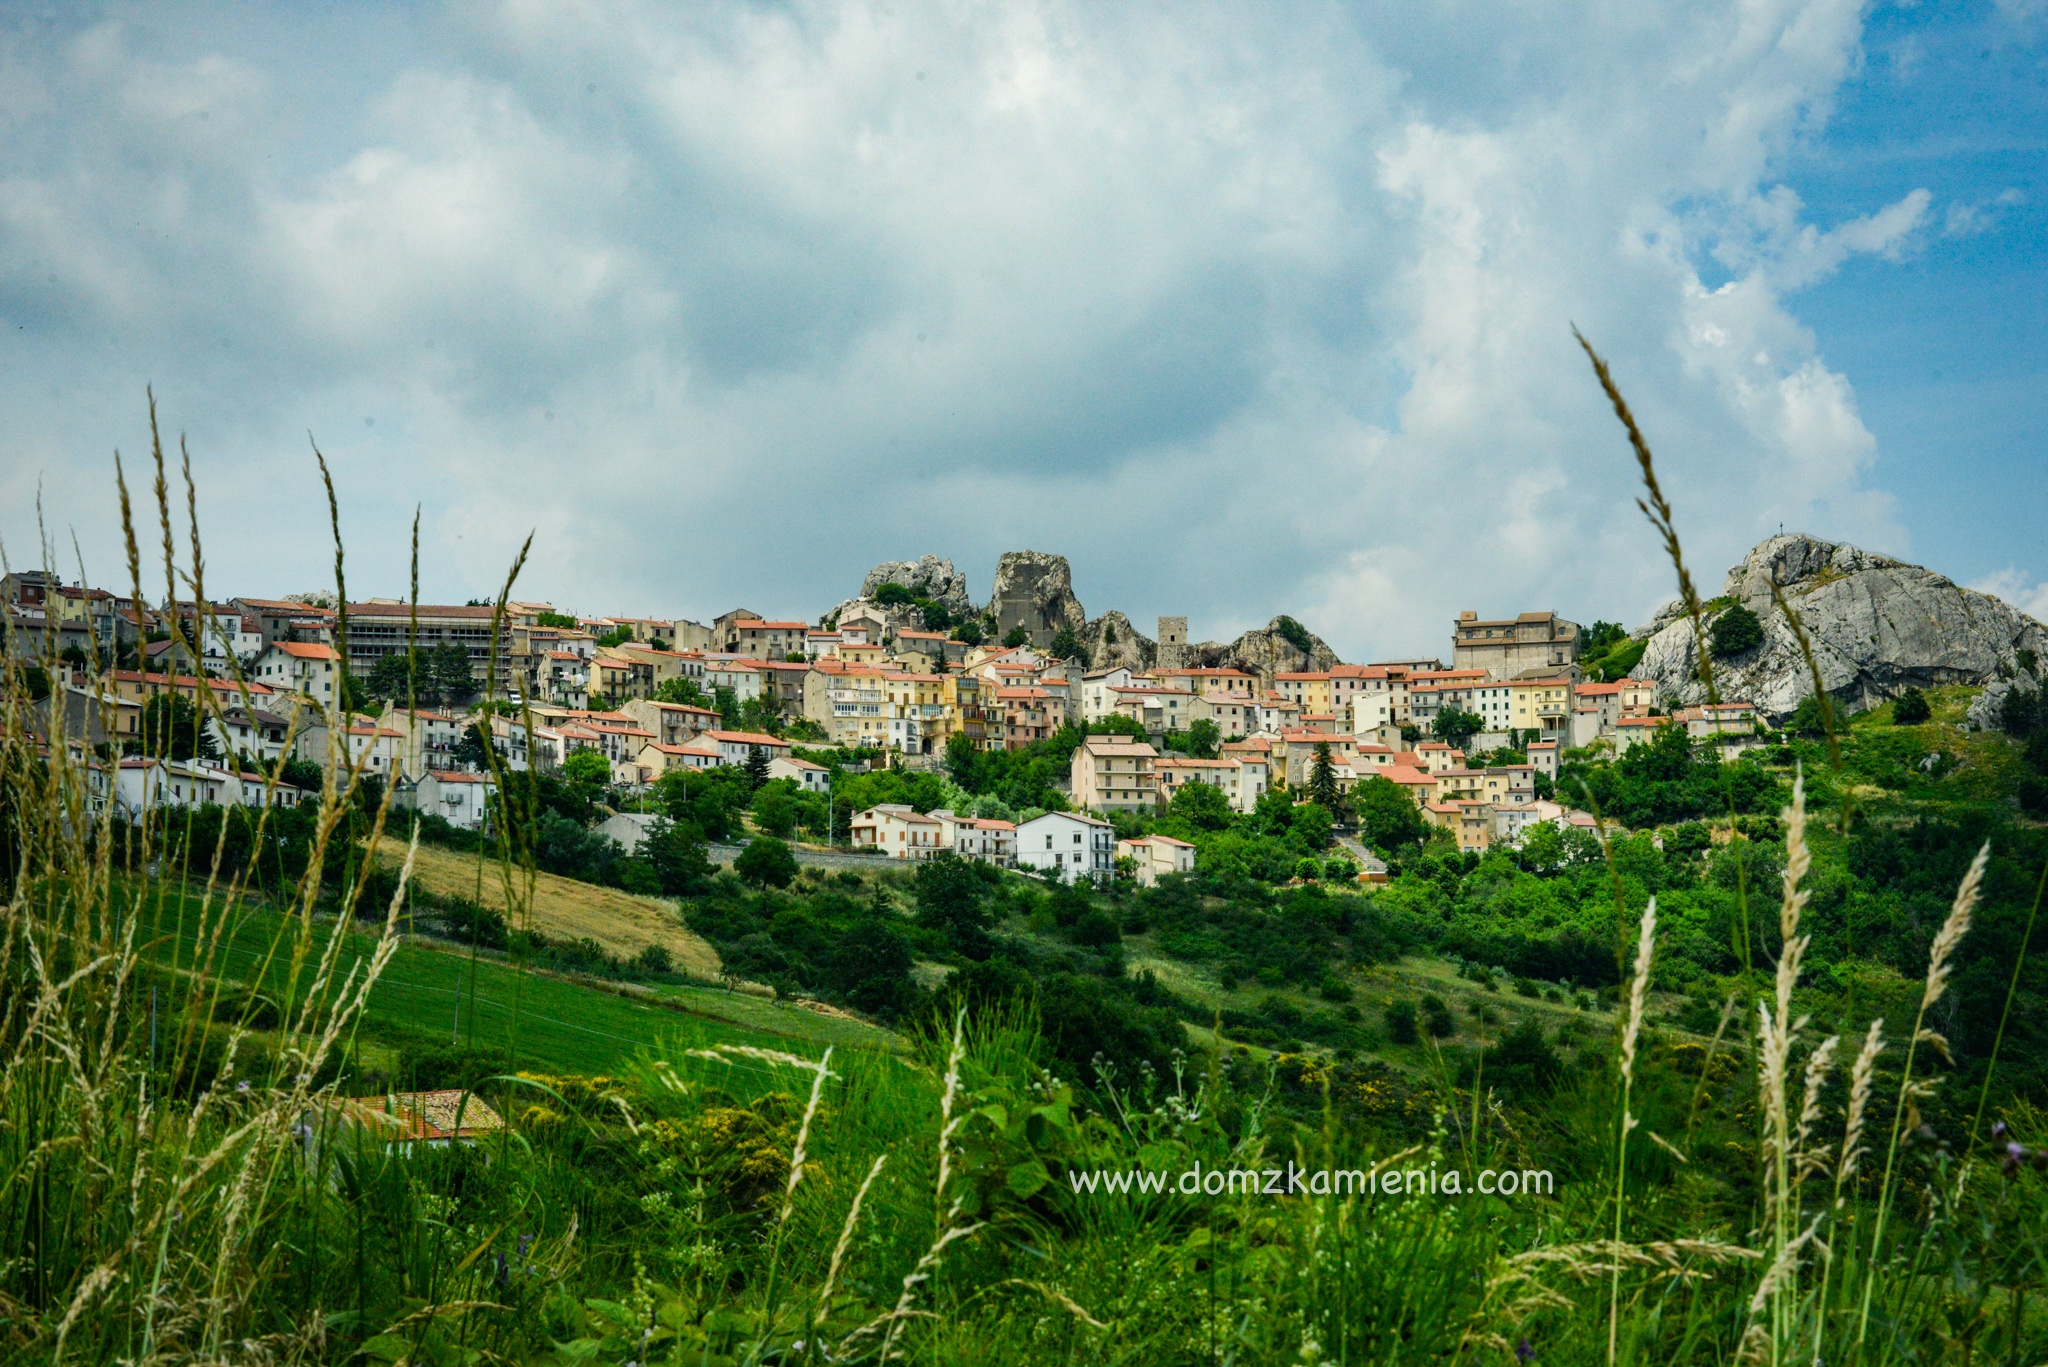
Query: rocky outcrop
[
  {"x": 928, "y": 576},
  {"x": 1878, "y": 626},
  {"x": 1282, "y": 646},
  {"x": 1035, "y": 591},
  {"x": 1113, "y": 641}
]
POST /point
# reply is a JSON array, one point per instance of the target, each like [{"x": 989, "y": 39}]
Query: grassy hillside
[
  {"x": 480, "y": 1004},
  {"x": 561, "y": 908}
]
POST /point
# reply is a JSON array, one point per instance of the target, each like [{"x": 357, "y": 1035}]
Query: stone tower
[{"x": 1173, "y": 643}]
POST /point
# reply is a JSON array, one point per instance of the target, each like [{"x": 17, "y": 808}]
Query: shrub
[
  {"x": 1735, "y": 632},
  {"x": 1401, "y": 1027},
  {"x": 766, "y": 863},
  {"x": 1911, "y": 709},
  {"x": 1295, "y": 634},
  {"x": 1437, "y": 1017}
]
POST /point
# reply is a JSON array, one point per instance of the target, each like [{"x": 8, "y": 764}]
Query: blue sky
[
  {"x": 1243, "y": 309},
  {"x": 1948, "y": 347}
]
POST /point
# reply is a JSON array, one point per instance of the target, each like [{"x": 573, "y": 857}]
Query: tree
[
  {"x": 2021, "y": 714},
  {"x": 727, "y": 701},
  {"x": 766, "y": 863},
  {"x": 894, "y": 596},
  {"x": 473, "y": 748},
  {"x": 172, "y": 728},
  {"x": 1322, "y": 782},
  {"x": 968, "y": 633},
  {"x": 1313, "y": 824},
  {"x": 1386, "y": 815},
  {"x": 1735, "y": 632},
  {"x": 1814, "y": 715},
  {"x": 1067, "y": 646},
  {"x": 1295, "y": 634},
  {"x": 398, "y": 676},
  {"x": 757, "y": 765},
  {"x": 450, "y": 666},
  {"x": 775, "y": 808},
  {"x": 683, "y": 691},
  {"x": 952, "y": 898},
  {"x": 1201, "y": 805},
  {"x": 1455, "y": 726},
  {"x": 587, "y": 769},
  {"x": 563, "y": 620},
  {"x": 675, "y": 851},
  {"x": 1911, "y": 709},
  {"x": 1205, "y": 739},
  {"x": 1016, "y": 636}
]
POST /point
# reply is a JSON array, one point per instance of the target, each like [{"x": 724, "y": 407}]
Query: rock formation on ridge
[
  {"x": 1035, "y": 591},
  {"x": 1879, "y": 626}
]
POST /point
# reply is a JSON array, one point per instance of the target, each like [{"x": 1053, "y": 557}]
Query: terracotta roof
[
  {"x": 406, "y": 610},
  {"x": 448, "y": 1114},
  {"x": 305, "y": 650},
  {"x": 746, "y": 738}
]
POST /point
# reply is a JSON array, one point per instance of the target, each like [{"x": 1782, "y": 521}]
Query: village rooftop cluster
[{"x": 650, "y": 696}]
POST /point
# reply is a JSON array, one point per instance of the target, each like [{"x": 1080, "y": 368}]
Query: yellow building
[{"x": 1541, "y": 705}]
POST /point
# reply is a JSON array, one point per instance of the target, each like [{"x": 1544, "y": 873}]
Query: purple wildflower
[{"x": 1525, "y": 1353}]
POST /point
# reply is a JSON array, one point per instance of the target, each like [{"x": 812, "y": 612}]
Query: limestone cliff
[
  {"x": 1879, "y": 626},
  {"x": 1035, "y": 591},
  {"x": 1113, "y": 641},
  {"x": 1282, "y": 646},
  {"x": 928, "y": 576}
]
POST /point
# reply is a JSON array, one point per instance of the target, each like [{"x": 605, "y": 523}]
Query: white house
[
  {"x": 742, "y": 674},
  {"x": 462, "y": 799},
  {"x": 1157, "y": 854},
  {"x": 1073, "y": 845},
  {"x": 307, "y": 668},
  {"x": 141, "y": 781},
  {"x": 1240, "y": 782},
  {"x": 978, "y": 837},
  {"x": 896, "y": 831},
  {"x": 737, "y": 747},
  {"x": 812, "y": 778},
  {"x": 1098, "y": 691},
  {"x": 260, "y": 735}
]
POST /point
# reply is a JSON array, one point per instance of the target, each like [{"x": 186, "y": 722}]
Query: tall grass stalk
[
  {"x": 1638, "y": 992},
  {"x": 1912, "y": 1089},
  {"x": 1657, "y": 509}
]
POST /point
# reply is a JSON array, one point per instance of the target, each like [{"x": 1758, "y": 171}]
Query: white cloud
[
  {"x": 1244, "y": 311},
  {"x": 2016, "y": 587}
]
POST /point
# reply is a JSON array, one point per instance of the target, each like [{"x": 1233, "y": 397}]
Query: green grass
[{"x": 542, "y": 1021}]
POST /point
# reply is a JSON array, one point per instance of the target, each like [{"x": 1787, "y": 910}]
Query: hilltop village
[{"x": 439, "y": 701}]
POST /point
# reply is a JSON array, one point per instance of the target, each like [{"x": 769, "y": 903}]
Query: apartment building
[
  {"x": 384, "y": 626},
  {"x": 1510, "y": 648},
  {"x": 896, "y": 831},
  {"x": 1113, "y": 773},
  {"x": 1070, "y": 845},
  {"x": 1155, "y": 856}
]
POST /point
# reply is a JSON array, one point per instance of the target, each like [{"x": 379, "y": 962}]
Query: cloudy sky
[{"x": 1243, "y": 308}]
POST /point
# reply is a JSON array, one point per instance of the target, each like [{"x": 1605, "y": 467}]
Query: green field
[{"x": 442, "y": 992}]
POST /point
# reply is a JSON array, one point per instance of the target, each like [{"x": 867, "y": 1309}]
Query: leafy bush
[
  {"x": 766, "y": 863},
  {"x": 1911, "y": 709},
  {"x": 1401, "y": 1023},
  {"x": 1295, "y": 634},
  {"x": 1736, "y": 631}
]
